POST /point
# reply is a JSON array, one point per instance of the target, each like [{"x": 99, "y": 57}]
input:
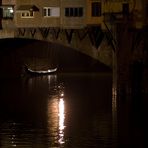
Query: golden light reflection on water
[
  {"x": 114, "y": 99},
  {"x": 61, "y": 119},
  {"x": 56, "y": 116},
  {"x": 114, "y": 114}
]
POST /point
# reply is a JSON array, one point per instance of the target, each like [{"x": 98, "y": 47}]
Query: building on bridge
[
  {"x": 75, "y": 14},
  {"x": 82, "y": 24}
]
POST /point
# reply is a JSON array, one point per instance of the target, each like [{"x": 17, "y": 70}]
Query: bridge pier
[
  {"x": 123, "y": 53},
  {"x": 129, "y": 60}
]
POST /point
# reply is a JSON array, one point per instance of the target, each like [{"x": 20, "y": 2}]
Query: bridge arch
[
  {"x": 40, "y": 54},
  {"x": 91, "y": 41}
]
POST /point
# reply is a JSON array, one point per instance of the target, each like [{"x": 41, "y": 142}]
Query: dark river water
[{"x": 69, "y": 110}]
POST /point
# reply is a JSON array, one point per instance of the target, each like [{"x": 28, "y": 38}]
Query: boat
[{"x": 40, "y": 72}]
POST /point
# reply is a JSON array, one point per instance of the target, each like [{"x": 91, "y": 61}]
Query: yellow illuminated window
[{"x": 27, "y": 14}]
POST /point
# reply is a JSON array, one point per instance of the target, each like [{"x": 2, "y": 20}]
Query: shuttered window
[
  {"x": 125, "y": 8},
  {"x": 96, "y": 9},
  {"x": 74, "y": 12}
]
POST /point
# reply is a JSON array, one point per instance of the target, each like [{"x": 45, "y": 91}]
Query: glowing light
[
  {"x": 62, "y": 94},
  {"x": 61, "y": 120},
  {"x": 61, "y": 114},
  {"x": 56, "y": 115},
  {"x": 42, "y": 71},
  {"x": 11, "y": 10}
]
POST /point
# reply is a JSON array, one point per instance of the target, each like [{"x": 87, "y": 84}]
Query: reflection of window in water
[{"x": 56, "y": 116}]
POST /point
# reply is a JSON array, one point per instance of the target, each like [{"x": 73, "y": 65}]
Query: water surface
[{"x": 68, "y": 110}]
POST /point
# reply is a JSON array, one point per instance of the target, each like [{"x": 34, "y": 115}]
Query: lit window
[
  {"x": 96, "y": 9},
  {"x": 51, "y": 11},
  {"x": 27, "y": 14},
  {"x": 46, "y": 11},
  {"x": 7, "y": 12}
]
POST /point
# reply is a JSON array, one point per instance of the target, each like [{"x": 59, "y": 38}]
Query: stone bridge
[{"x": 91, "y": 41}]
